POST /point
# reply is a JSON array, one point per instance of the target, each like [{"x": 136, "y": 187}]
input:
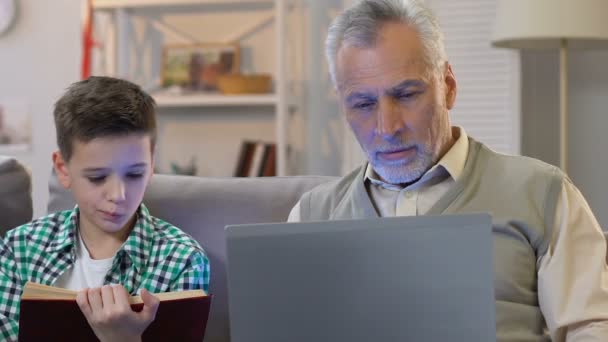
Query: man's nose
[{"x": 390, "y": 121}]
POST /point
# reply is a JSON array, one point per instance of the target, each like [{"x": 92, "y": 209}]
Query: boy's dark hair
[{"x": 101, "y": 107}]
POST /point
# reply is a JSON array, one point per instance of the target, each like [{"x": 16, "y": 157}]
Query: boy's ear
[
  {"x": 152, "y": 159},
  {"x": 61, "y": 169}
]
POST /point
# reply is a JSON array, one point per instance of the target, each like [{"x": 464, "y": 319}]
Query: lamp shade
[{"x": 542, "y": 24}]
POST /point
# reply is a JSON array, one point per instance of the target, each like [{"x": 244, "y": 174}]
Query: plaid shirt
[{"x": 157, "y": 257}]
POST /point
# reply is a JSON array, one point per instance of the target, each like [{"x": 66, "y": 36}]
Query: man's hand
[{"x": 109, "y": 313}]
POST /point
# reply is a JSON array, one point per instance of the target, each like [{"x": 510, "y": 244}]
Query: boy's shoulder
[
  {"x": 44, "y": 228},
  {"x": 168, "y": 235}
]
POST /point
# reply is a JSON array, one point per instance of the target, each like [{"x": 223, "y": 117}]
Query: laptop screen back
[{"x": 426, "y": 278}]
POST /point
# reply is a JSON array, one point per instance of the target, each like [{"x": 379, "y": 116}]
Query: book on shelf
[
  {"x": 49, "y": 313},
  {"x": 256, "y": 159},
  {"x": 245, "y": 158},
  {"x": 269, "y": 167}
]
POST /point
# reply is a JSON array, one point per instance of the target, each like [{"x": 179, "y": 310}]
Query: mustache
[{"x": 392, "y": 147}]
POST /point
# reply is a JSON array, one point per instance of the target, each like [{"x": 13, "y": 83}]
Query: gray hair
[{"x": 359, "y": 25}]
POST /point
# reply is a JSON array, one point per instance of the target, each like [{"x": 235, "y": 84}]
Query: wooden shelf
[
  {"x": 116, "y": 4},
  {"x": 119, "y": 42},
  {"x": 213, "y": 100}
]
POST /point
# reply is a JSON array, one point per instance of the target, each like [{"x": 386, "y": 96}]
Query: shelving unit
[
  {"x": 115, "y": 4},
  {"x": 121, "y": 10},
  {"x": 214, "y": 100}
]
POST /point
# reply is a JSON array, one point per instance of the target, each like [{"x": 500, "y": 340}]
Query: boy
[{"x": 106, "y": 132}]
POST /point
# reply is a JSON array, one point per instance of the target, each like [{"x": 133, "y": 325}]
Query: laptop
[{"x": 424, "y": 278}]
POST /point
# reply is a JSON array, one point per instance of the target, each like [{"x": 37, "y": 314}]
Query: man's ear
[
  {"x": 61, "y": 169},
  {"x": 450, "y": 86}
]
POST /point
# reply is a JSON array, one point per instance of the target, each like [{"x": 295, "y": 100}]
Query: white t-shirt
[{"x": 86, "y": 272}]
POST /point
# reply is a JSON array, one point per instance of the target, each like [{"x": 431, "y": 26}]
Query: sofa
[
  {"x": 202, "y": 207},
  {"x": 15, "y": 194}
]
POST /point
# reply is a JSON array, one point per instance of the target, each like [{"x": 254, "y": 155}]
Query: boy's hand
[{"x": 109, "y": 313}]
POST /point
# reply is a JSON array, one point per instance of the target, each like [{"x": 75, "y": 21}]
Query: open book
[{"x": 51, "y": 314}]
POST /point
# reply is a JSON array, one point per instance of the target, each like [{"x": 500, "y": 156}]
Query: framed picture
[{"x": 197, "y": 67}]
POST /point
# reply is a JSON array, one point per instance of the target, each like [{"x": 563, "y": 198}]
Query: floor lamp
[{"x": 553, "y": 24}]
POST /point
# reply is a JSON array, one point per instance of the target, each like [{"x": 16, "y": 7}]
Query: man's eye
[
  {"x": 407, "y": 95},
  {"x": 96, "y": 179},
  {"x": 364, "y": 105}
]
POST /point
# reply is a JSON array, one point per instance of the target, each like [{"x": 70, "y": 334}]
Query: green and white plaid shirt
[{"x": 157, "y": 257}]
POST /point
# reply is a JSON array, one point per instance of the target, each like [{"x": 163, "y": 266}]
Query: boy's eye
[
  {"x": 135, "y": 175},
  {"x": 96, "y": 179}
]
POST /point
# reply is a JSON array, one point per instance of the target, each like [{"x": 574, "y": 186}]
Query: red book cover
[
  {"x": 245, "y": 159},
  {"x": 269, "y": 167},
  {"x": 182, "y": 319}
]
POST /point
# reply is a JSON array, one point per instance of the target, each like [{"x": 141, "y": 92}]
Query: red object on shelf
[{"x": 87, "y": 40}]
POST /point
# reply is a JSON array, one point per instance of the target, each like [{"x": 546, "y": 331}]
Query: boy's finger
[
  {"x": 107, "y": 296},
  {"x": 83, "y": 303},
  {"x": 121, "y": 297},
  {"x": 94, "y": 297},
  {"x": 151, "y": 303}
]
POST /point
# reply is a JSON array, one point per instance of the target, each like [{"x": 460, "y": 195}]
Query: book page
[{"x": 39, "y": 291}]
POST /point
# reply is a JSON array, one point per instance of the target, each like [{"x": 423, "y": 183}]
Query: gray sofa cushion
[
  {"x": 202, "y": 207},
  {"x": 15, "y": 194}
]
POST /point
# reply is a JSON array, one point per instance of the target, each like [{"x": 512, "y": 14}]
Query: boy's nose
[{"x": 116, "y": 191}]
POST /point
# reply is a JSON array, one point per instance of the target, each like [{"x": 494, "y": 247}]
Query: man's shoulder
[
  {"x": 518, "y": 162},
  {"x": 319, "y": 202},
  {"x": 336, "y": 188},
  {"x": 519, "y": 168}
]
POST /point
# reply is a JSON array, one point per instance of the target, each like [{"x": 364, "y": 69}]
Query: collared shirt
[
  {"x": 156, "y": 256},
  {"x": 419, "y": 197},
  {"x": 85, "y": 272},
  {"x": 572, "y": 275}
]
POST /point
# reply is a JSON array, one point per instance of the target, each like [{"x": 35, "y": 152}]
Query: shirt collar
[
  {"x": 452, "y": 162},
  {"x": 136, "y": 247},
  {"x": 138, "y": 244},
  {"x": 66, "y": 235}
]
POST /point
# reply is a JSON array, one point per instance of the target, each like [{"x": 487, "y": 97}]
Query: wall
[
  {"x": 325, "y": 124},
  {"x": 39, "y": 58},
  {"x": 540, "y": 105},
  {"x": 587, "y": 123}
]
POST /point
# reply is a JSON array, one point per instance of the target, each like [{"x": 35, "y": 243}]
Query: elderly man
[{"x": 395, "y": 86}]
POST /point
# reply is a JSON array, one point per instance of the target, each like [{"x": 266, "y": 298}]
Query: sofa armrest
[{"x": 15, "y": 194}]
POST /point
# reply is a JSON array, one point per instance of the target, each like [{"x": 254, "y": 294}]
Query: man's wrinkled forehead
[
  {"x": 370, "y": 68},
  {"x": 397, "y": 52}
]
